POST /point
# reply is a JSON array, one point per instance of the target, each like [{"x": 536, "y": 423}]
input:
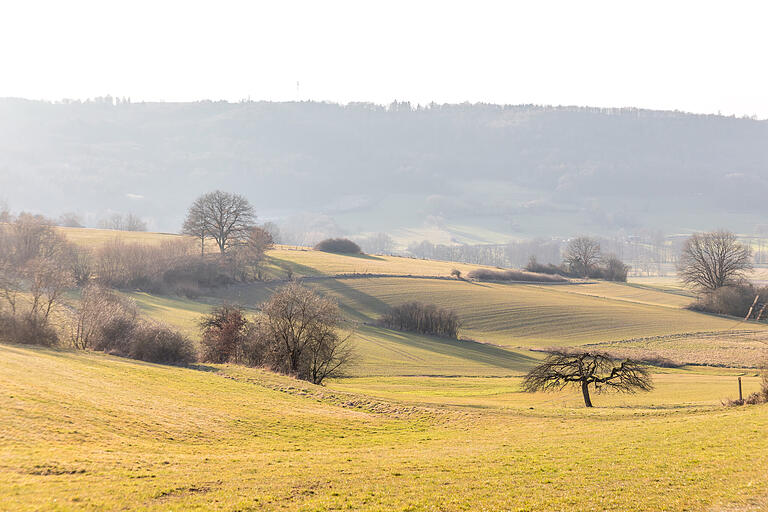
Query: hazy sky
[{"x": 696, "y": 56}]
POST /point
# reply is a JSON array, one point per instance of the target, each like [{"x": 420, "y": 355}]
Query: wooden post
[
  {"x": 741, "y": 397},
  {"x": 761, "y": 312}
]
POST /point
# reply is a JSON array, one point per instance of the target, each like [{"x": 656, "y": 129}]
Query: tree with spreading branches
[
  {"x": 222, "y": 216},
  {"x": 563, "y": 367},
  {"x": 712, "y": 260},
  {"x": 582, "y": 255}
]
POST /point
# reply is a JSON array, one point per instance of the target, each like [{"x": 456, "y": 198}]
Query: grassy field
[
  {"x": 306, "y": 262},
  {"x": 94, "y": 238},
  {"x": 89, "y": 431},
  {"x": 418, "y": 422},
  {"x": 736, "y": 348}
]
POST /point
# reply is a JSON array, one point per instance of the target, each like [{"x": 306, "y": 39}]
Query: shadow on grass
[
  {"x": 361, "y": 256},
  {"x": 350, "y": 300},
  {"x": 468, "y": 350},
  {"x": 296, "y": 269}
]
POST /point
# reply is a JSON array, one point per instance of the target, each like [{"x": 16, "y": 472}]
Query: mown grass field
[{"x": 90, "y": 431}]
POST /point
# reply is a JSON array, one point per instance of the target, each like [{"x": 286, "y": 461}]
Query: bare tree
[
  {"x": 301, "y": 328},
  {"x": 195, "y": 223},
  {"x": 378, "y": 243},
  {"x": 246, "y": 257},
  {"x": 582, "y": 255},
  {"x": 5, "y": 212},
  {"x": 49, "y": 279},
  {"x": 562, "y": 368},
  {"x": 34, "y": 258},
  {"x": 712, "y": 260},
  {"x": 120, "y": 222},
  {"x": 70, "y": 220},
  {"x": 219, "y": 215}
]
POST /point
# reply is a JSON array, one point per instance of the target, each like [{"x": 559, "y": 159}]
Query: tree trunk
[{"x": 585, "y": 392}]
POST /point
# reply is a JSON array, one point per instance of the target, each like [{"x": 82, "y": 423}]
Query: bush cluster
[
  {"x": 610, "y": 269},
  {"x": 729, "y": 300},
  {"x": 486, "y": 274},
  {"x": 338, "y": 245},
  {"x": 110, "y": 323},
  {"x": 26, "y": 330},
  {"x": 296, "y": 334},
  {"x": 422, "y": 318}
]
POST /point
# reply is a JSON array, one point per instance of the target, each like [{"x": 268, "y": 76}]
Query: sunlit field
[
  {"x": 98, "y": 432},
  {"x": 417, "y": 422}
]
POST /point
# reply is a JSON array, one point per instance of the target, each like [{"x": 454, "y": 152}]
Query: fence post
[{"x": 741, "y": 398}]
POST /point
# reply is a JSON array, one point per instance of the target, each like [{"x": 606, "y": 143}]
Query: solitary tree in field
[
  {"x": 582, "y": 254},
  {"x": 712, "y": 260},
  {"x": 223, "y": 216},
  {"x": 583, "y": 369}
]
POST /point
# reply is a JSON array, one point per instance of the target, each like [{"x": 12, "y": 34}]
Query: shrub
[
  {"x": 729, "y": 300},
  {"x": 548, "y": 268},
  {"x": 338, "y": 245},
  {"x": 160, "y": 344},
  {"x": 612, "y": 269},
  {"x": 422, "y": 318},
  {"x": 26, "y": 330},
  {"x": 484, "y": 274},
  {"x": 223, "y": 334},
  {"x": 110, "y": 323},
  {"x": 456, "y": 273}
]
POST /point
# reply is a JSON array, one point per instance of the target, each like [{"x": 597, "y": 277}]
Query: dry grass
[
  {"x": 90, "y": 431},
  {"x": 735, "y": 349}
]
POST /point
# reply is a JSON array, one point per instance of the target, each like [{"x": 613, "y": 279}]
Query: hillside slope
[
  {"x": 89, "y": 431},
  {"x": 477, "y": 173}
]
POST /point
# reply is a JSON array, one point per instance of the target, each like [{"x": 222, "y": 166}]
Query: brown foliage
[{"x": 223, "y": 334}]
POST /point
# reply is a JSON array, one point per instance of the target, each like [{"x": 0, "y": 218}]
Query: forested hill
[{"x": 512, "y": 170}]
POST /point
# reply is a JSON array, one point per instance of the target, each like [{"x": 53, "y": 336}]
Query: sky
[{"x": 695, "y": 56}]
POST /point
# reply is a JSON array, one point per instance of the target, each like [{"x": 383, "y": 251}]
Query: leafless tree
[
  {"x": 70, "y": 220},
  {"x": 712, "y": 260},
  {"x": 96, "y": 308},
  {"x": 120, "y": 222},
  {"x": 195, "y": 223},
  {"x": 378, "y": 243},
  {"x": 247, "y": 255},
  {"x": 562, "y": 368},
  {"x": 582, "y": 254},
  {"x": 301, "y": 328},
  {"x": 49, "y": 278},
  {"x": 5, "y": 212},
  {"x": 34, "y": 258},
  {"x": 223, "y": 216}
]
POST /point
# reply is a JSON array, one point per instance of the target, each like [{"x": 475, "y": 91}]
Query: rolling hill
[{"x": 91, "y": 431}]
